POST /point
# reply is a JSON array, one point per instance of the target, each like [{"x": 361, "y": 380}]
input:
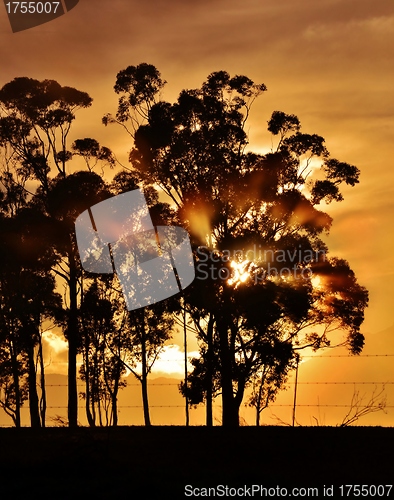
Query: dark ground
[{"x": 157, "y": 463}]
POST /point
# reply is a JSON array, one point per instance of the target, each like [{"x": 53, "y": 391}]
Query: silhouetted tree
[
  {"x": 27, "y": 299},
  {"x": 65, "y": 199},
  {"x": 144, "y": 332},
  {"x": 35, "y": 122},
  {"x": 271, "y": 377},
  {"x": 28, "y": 295},
  {"x": 91, "y": 151},
  {"x": 265, "y": 286},
  {"x": 13, "y": 381},
  {"x": 148, "y": 329},
  {"x": 138, "y": 87},
  {"x": 102, "y": 346}
]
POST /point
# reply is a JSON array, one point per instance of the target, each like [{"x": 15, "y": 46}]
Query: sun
[
  {"x": 241, "y": 272},
  {"x": 317, "y": 282}
]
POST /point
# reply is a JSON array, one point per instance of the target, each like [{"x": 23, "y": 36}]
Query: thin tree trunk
[
  {"x": 93, "y": 408},
  {"x": 144, "y": 377},
  {"x": 114, "y": 395},
  {"x": 114, "y": 400},
  {"x": 230, "y": 417},
  {"x": 209, "y": 380},
  {"x": 72, "y": 334},
  {"x": 43, "y": 398},
  {"x": 145, "y": 402},
  {"x": 88, "y": 396},
  {"x": 185, "y": 349},
  {"x": 239, "y": 397},
  {"x": 15, "y": 375},
  {"x": 33, "y": 396},
  {"x": 99, "y": 409},
  {"x": 258, "y": 403},
  {"x": 86, "y": 361}
]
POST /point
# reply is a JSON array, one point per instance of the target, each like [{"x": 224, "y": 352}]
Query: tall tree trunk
[
  {"x": 72, "y": 334},
  {"x": 144, "y": 377},
  {"x": 239, "y": 397},
  {"x": 114, "y": 402},
  {"x": 209, "y": 380},
  {"x": 99, "y": 410},
  {"x": 88, "y": 395},
  {"x": 114, "y": 377},
  {"x": 33, "y": 396},
  {"x": 145, "y": 402},
  {"x": 15, "y": 376},
  {"x": 86, "y": 362},
  {"x": 114, "y": 395},
  {"x": 230, "y": 417},
  {"x": 89, "y": 415},
  {"x": 93, "y": 407},
  {"x": 258, "y": 403},
  {"x": 185, "y": 350},
  {"x": 43, "y": 398},
  {"x": 93, "y": 391}
]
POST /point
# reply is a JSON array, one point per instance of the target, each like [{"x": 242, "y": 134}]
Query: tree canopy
[{"x": 265, "y": 286}]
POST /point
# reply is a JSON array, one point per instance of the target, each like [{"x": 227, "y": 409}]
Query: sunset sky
[{"x": 329, "y": 62}]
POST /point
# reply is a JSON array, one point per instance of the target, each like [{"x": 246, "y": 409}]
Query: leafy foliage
[{"x": 239, "y": 208}]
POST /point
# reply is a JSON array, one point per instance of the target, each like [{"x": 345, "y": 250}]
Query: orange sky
[{"x": 329, "y": 62}]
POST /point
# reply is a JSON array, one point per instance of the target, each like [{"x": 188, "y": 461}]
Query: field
[{"x": 158, "y": 462}]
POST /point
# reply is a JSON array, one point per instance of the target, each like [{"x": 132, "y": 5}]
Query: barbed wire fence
[{"x": 294, "y": 383}]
